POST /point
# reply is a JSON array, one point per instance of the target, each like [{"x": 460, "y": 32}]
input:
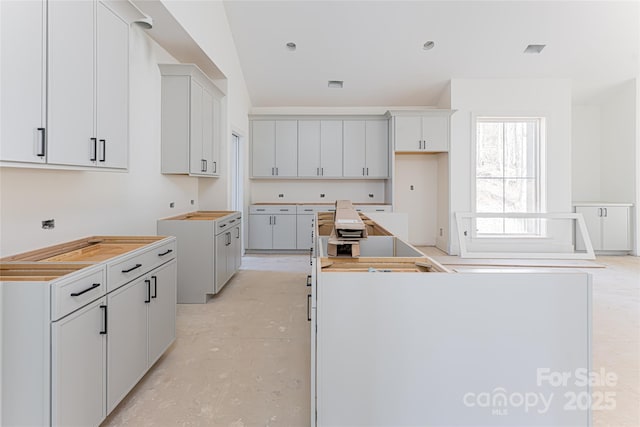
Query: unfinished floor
[{"x": 242, "y": 359}]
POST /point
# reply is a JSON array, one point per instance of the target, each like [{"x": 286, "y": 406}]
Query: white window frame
[{"x": 540, "y": 170}]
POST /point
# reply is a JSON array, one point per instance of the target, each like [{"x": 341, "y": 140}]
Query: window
[{"x": 508, "y": 175}]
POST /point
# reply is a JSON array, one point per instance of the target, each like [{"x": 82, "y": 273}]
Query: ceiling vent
[
  {"x": 534, "y": 48},
  {"x": 336, "y": 84}
]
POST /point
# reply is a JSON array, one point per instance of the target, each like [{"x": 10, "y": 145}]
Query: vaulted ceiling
[{"x": 376, "y": 47}]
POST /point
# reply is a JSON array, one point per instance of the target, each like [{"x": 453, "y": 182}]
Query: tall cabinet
[{"x": 192, "y": 111}]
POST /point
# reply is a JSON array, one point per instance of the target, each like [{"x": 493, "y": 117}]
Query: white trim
[{"x": 464, "y": 253}]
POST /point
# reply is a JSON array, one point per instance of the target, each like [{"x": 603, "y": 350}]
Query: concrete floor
[{"x": 242, "y": 359}]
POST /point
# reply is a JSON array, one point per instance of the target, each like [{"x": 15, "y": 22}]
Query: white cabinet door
[
  {"x": 218, "y": 135},
  {"x": 222, "y": 243},
  {"x": 263, "y": 148},
  {"x": 237, "y": 248},
  {"x": 162, "y": 310},
  {"x": 260, "y": 231},
  {"x": 615, "y": 229},
  {"x": 22, "y": 81},
  {"x": 308, "y": 148},
  {"x": 196, "y": 160},
  {"x": 435, "y": 133},
  {"x": 286, "y": 148},
  {"x": 112, "y": 89},
  {"x": 331, "y": 148},
  {"x": 377, "y": 148},
  {"x": 207, "y": 132},
  {"x": 304, "y": 228},
  {"x": 127, "y": 329},
  {"x": 354, "y": 147},
  {"x": 231, "y": 252},
  {"x": 591, "y": 216},
  {"x": 71, "y": 113},
  {"x": 408, "y": 133},
  {"x": 284, "y": 231},
  {"x": 78, "y": 367}
]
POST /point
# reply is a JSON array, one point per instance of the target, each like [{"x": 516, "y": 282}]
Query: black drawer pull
[
  {"x": 77, "y": 294},
  {"x": 223, "y": 225},
  {"x": 309, "y": 280},
  {"x": 155, "y": 286},
  {"x": 232, "y": 221},
  {"x": 132, "y": 268},
  {"x": 104, "y": 332},
  {"x": 168, "y": 251},
  {"x": 148, "y": 282}
]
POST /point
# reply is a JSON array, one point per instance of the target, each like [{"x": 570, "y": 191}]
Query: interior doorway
[{"x": 237, "y": 172}]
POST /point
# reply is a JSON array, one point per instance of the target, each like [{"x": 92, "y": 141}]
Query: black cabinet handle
[
  {"x": 155, "y": 287},
  {"x": 238, "y": 233},
  {"x": 223, "y": 225},
  {"x": 77, "y": 294},
  {"x": 42, "y": 142},
  {"x": 94, "y": 156},
  {"x": 104, "y": 150},
  {"x": 148, "y": 282},
  {"x": 308, "y": 280},
  {"x": 215, "y": 167},
  {"x": 104, "y": 332},
  {"x": 167, "y": 252},
  {"x": 132, "y": 268},
  {"x": 309, "y": 307}
]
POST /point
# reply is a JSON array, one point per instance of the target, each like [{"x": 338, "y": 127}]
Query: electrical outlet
[
  {"x": 371, "y": 195},
  {"x": 281, "y": 195},
  {"x": 441, "y": 232},
  {"x": 193, "y": 202},
  {"x": 172, "y": 204},
  {"x": 411, "y": 187},
  {"x": 48, "y": 224},
  {"x": 322, "y": 195}
]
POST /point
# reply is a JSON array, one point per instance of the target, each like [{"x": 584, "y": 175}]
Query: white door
[
  {"x": 408, "y": 133},
  {"x": 435, "y": 133},
  {"x": 593, "y": 222},
  {"x": 354, "y": 149},
  {"x": 207, "y": 131},
  {"x": 22, "y": 81},
  {"x": 112, "y": 89},
  {"x": 222, "y": 242},
  {"x": 78, "y": 367},
  {"x": 615, "y": 229},
  {"x": 261, "y": 231},
  {"x": 263, "y": 148},
  {"x": 377, "y": 148},
  {"x": 162, "y": 310},
  {"x": 127, "y": 350},
  {"x": 286, "y": 148},
  {"x": 284, "y": 231},
  {"x": 196, "y": 160},
  {"x": 71, "y": 114},
  {"x": 308, "y": 148},
  {"x": 331, "y": 148}
]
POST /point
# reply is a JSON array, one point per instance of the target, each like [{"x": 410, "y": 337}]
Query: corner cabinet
[
  {"x": 608, "y": 224},
  {"x": 192, "y": 111},
  {"x": 65, "y": 84},
  {"x": 421, "y": 132}
]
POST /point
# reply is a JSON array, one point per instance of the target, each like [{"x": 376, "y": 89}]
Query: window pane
[
  {"x": 519, "y": 148},
  {"x": 489, "y": 146},
  {"x": 489, "y": 195},
  {"x": 489, "y": 225}
]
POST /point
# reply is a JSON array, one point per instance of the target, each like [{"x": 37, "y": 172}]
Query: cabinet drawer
[
  {"x": 273, "y": 209},
  {"x": 227, "y": 224},
  {"x": 68, "y": 295},
  {"x": 135, "y": 265}
]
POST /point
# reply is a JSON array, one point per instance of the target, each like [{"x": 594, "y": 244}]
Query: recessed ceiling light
[
  {"x": 428, "y": 45},
  {"x": 336, "y": 83},
  {"x": 291, "y": 46},
  {"x": 534, "y": 48}
]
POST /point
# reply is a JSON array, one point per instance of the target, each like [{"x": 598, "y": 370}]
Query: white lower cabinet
[
  {"x": 608, "y": 224},
  {"x": 272, "y": 227},
  {"x": 78, "y": 367},
  {"x": 141, "y": 327}
]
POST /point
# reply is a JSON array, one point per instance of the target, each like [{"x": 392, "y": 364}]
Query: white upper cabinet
[
  {"x": 366, "y": 149},
  {"x": 22, "y": 81},
  {"x": 422, "y": 132},
  {"x": 87, "y": 85},
  {"x": 274, "y": 148},
  {"x": 320, "y": 148},
  {"x": 192, "y": 107}
]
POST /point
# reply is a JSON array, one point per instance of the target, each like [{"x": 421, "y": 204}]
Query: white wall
[
  {"x": 585, "y": 153},
  {"x": 550, "y": 98},
  {"x": 92, "y": 203}
]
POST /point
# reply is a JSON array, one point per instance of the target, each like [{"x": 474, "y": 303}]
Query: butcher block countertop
[
  {"x": 36, "y": 272},
  {"x": 201, "y": 216},
  {"x": 90, "y": 249}
]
